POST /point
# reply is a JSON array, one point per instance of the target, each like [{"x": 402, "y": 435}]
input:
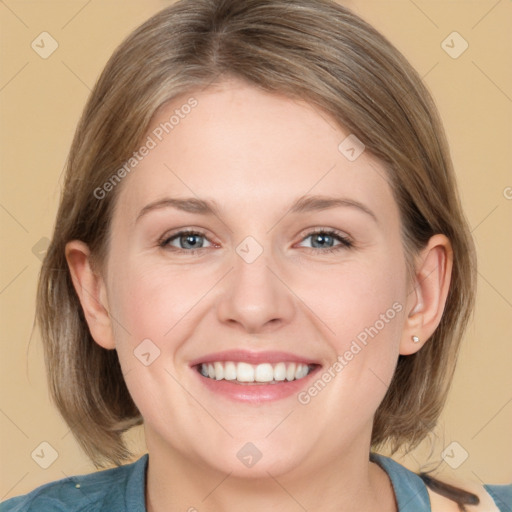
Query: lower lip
[{"x": 257, "y": 392}]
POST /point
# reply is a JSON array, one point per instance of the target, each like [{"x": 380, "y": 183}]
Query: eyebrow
[
  {"x": 303, "y": 204},
  {"x": 314, "y": 203}
]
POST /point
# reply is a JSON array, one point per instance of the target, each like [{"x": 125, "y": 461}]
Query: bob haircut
[{"x": 313, "y": 50}]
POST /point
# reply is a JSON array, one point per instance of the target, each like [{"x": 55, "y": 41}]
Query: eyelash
[{"x": 345, "y": 242}]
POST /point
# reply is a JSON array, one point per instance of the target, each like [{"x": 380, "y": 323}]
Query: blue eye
[
  {"x": 325, "y": 241},
  {"x": 188, "y": 241}
]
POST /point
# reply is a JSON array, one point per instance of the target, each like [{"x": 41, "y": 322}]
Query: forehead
[{"x": 242, "y": 147}]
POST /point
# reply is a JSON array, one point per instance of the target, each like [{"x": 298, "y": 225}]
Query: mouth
[
  {"x": 263, "y": 373},
  {"x": 254, "y": 377}
]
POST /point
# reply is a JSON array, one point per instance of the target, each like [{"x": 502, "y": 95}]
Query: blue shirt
[{"x": 122, "y": 489}]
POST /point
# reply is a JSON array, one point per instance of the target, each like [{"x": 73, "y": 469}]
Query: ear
[
  {"x": 91, "y": 291},
  {"x": 427, "y": 298}
]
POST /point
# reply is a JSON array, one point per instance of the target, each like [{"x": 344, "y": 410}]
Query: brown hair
[{"x": 315, "y": 50}]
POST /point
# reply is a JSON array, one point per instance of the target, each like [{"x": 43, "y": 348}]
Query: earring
[{"x": 415, "y": 339}]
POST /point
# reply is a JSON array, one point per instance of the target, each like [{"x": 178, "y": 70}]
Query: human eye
[
  {"x": 328, "y": 240},
  {"x": 186, "y": 241}
]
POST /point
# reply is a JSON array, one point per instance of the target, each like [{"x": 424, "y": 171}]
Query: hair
[{"x": 311, "y": 50}]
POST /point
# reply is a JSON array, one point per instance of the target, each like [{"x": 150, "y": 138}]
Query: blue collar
[{"x": 410, "y": 491}]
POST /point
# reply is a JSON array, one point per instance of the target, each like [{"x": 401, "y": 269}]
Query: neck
[{"x": 348, "y": 483}]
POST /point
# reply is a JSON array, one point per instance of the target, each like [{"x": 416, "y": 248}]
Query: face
[{"x": 257, "y": 282}]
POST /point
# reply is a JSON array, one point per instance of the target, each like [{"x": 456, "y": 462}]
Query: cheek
[
  {"x": 361, "y": 310},
  {"x": 151, "y": 301},
  {"x": 357, "y": 300},
  {"x": 157, "y": 303},
  {"x": 153, "y": 308}
]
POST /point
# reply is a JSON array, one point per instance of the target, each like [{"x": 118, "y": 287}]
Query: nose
[{"x": 254, "y": 297}]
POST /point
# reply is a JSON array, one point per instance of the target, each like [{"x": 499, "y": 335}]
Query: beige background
[{"x": 40, "y": 102}]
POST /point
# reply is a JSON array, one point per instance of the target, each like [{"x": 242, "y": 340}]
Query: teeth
[
  {"x": 280, "y": 371},
  {"x": 302, "y": 371},
  {"x": 219, "y": 371},
  {"x": 230, "y": 371},
  {"x": 245, "y": 372},
  {"x": 264, "y": 373},
  {"x": 290, "y": 372}
]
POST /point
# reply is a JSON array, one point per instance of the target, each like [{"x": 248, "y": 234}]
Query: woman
[{"x": 260, "y": 254}]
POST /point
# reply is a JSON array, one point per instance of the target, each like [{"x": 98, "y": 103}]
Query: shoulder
[
  {"x": 116, "y": 490},
  {"x": 413, "y": 495}
]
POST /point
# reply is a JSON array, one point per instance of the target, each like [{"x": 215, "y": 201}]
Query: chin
[{"x": 259, "y": 458}]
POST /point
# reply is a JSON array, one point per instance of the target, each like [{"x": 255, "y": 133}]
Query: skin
[{"x": 254, "y": 153}]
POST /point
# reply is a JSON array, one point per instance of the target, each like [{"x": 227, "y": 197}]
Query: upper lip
[{"x": 246, "y": 356}]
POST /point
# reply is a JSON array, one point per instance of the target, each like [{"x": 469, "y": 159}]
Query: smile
[{"x": 246, "y": 373}]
